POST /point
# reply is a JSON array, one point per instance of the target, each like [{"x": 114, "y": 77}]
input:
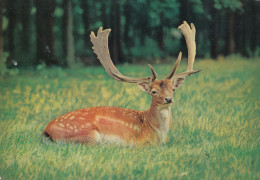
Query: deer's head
[{"x": 161, "y": 90}]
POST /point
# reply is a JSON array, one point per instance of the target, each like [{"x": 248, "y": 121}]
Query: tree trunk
[
  {"x": 184, "y": 11},
  {"x": 116, "y": 45},
  {"x": 255, "y": 26},
  {"x": 86, "y": 23},
  {"x": 127, "y": 14},
  {"x": 160, "y": 34},
  {"x": 240, "y": 33},
  {"x": 44, "y": 32},
  {"x": 1, "y": 33},
  {"x": 68, "y": 38},
  {"x": 104, "y": 14},
  {"x": 2, "y": 60},
  {"x": 230, "y": 39},
  {"x": 213, "y": 35},
  {"x": 26, "y": 23},
  {"x": 143, "y": 23},
  {"x": 11, "y": 15},
  {"x": 184, "y": 16}
]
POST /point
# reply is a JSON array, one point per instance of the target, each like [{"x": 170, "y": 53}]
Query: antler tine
[
  {"x": 100, "y": 47},
  {"x": 153, "y": 72},
  {"x": 175, "y": 67}
]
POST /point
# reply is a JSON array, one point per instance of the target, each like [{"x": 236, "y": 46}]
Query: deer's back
[{"x": 105, "y": 122}]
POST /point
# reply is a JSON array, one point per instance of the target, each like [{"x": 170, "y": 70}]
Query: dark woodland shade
[{"x": 56, "y": 32}]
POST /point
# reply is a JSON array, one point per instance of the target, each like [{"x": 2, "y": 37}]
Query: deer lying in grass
[{"x": 125, "y": 126}]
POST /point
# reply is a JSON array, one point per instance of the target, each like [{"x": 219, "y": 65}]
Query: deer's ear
[
  {"x": 144, "y": 86},
  {"x": 177, "y": 82}
]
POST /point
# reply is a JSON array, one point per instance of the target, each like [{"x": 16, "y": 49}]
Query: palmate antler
[
  {"x": 100, "y": 47},
  {"x": 189, "y": 34}
]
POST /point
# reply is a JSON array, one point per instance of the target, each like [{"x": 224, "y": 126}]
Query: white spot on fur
[
  {"x": 136, "y": 128},
  {"x": 131, "y": 126},
  {"x": 88, "y": 124},
  {"x": 61, "y": 125},
  {"x": 57, "y": 128},
  {"x": 72, "y": 117}
]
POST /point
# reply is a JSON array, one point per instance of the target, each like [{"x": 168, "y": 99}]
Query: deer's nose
[{"x": 168, "y": 100}]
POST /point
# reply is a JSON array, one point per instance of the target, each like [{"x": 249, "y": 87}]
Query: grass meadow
[{"x": 215, "y": 132}]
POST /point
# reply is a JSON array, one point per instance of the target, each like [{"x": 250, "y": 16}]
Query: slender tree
[
  {"x": 105, "y": 13},
  {"x": 213, "y": 34},
  {"x": 2, "y": 60},
  {"x": 116, "y": 48},
  {"x": 86, "y": 22},
  {"x": 45, "y": 38},
  {"x": 11, "y": 15},
  {"x": 128, "y": 22},
  {"x": 25, "y": 13},
  {"x": 240, "y": 33},
  {"x": 230, "y": 39},
  {"x": 255, "y": 37},
  {"x": 68, "y": 38},
  {"x": 143, "y": 21},
  {"x": 160, "y": 33},
  {"x": 1, "y": 31}
]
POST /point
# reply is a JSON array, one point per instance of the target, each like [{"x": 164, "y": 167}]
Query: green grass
[{"x": 215, "y": 132}]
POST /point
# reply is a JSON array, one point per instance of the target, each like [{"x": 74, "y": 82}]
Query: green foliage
[
  {"x": 169, "y": 9},
  {"x": 4, "y": 70},
  {"x": 5, "y": 23},
  {"x": 231, "y": 4},
  {"x": 78, "y": 9},
  {"x": 149, "y": 50},
  {"x": 197, "y": 6},
  {"x": 172, "y": 44},
  {"x": 255, "y": 53},
  {"x": 215, "y": 131},
  {"x": 58, "y": 12}
]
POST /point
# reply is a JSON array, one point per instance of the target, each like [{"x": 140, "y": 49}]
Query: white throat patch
[{"x": 164, "y": 118}]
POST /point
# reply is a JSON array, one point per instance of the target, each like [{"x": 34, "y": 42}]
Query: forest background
[{"x": 40, "y": 33}]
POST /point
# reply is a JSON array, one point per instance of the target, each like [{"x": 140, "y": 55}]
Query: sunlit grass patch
[{"x": 215, "y": 132}]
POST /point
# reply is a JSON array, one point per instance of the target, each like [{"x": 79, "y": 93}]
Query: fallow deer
[{"x": 98, "y": 125}]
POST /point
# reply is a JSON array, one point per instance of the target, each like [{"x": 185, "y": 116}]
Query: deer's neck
[{"x": 160, "y": 119}]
